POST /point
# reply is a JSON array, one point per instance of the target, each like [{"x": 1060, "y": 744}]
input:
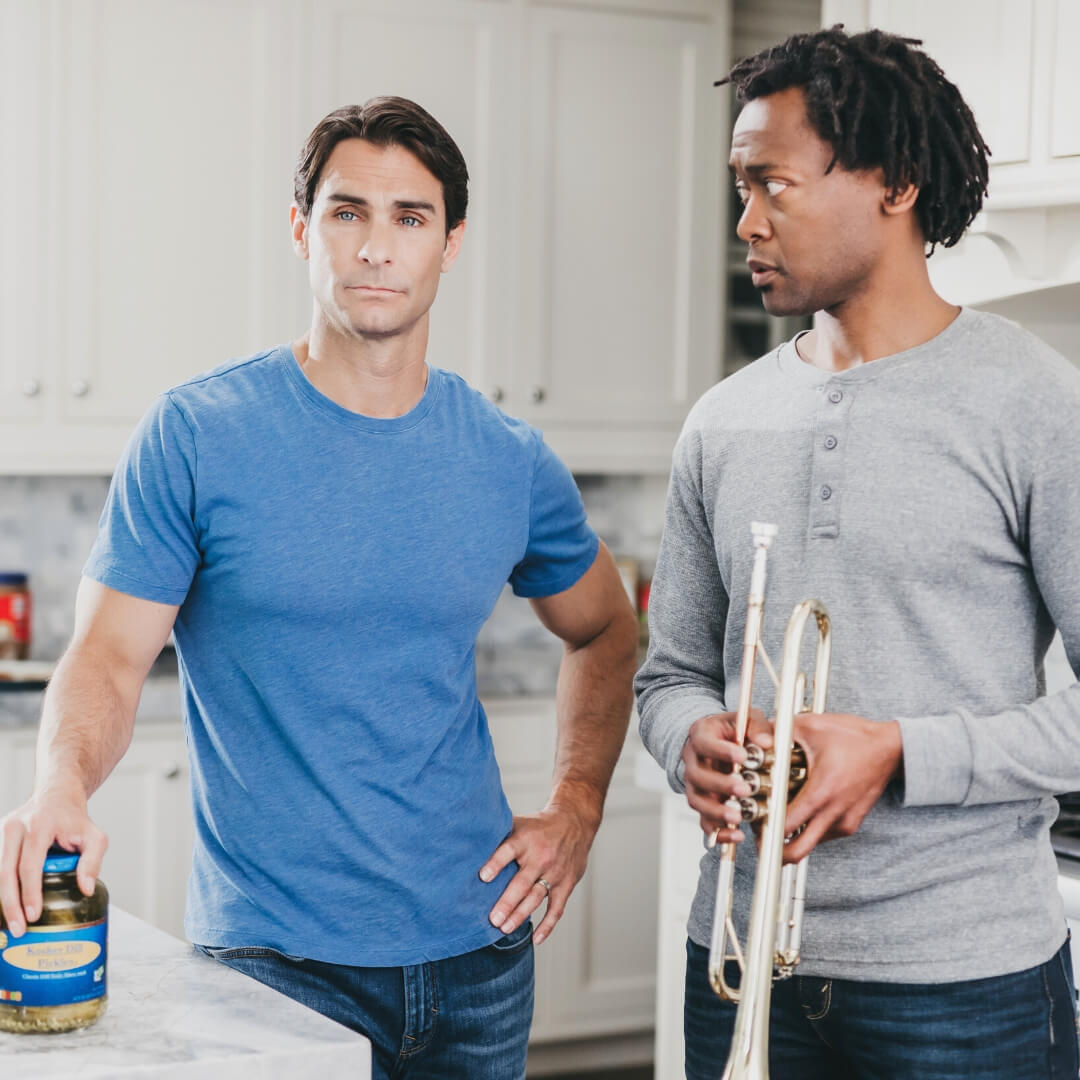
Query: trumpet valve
[
  {"x": 759, "y": 783},
  {"x": 756, "y": 758},
  {"x": 797, "y": 772}
]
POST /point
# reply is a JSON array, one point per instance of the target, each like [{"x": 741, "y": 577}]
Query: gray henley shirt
[{"x": 931, "y": 500}]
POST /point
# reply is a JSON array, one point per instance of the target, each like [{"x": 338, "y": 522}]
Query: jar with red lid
[{"x": 14, "y": 616}]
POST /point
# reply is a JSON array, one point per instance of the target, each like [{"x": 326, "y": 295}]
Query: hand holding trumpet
[
  {"x": 850, "y": 761},
  {"x": 708, "y": 754}
]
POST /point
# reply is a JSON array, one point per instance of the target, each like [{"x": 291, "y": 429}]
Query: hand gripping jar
[{"x": 53, "y": 977}]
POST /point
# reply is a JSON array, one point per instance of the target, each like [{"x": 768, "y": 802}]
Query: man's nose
[
  {"x": 753, "y": 223},
  {"x": 377, "y": 248}
]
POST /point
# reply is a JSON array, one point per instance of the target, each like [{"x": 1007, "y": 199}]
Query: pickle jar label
[{"x": 59, "y": 965}]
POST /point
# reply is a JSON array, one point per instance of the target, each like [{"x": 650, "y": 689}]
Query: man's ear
[
  {"x": 900, "y": 199},
  {"x": 299, "y": 231},
  {"x": 453, "y": 246}
]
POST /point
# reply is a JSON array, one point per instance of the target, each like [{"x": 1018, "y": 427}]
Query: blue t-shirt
[{"x": 332, "y": 572}]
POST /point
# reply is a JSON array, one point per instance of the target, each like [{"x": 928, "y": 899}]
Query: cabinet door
[
  {"x": 26, "y": 189},
  {"x": 621, "y": 220},
  {"x": 178, "y": 136},
  {"x": 983, "y": 46},
  {"x": 680, "y": 854},
  {"x": 601, "y": 960},
  {"x": 456, "y": 60},
  {"x": 1063, "y": 19},
  {"x": 596, "y": 974},
  {"x": 144, "y": 807}
]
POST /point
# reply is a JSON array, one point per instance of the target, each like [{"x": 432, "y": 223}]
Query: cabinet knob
[
  {"x": 31, "y": 388},
  {"x": 496, "y": 394},
  {"x": 80, "y": 388},
  {"x": 171, "y": 772},
  {"x": 537, "y": 394}
]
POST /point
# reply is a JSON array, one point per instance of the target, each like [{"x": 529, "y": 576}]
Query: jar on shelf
[{"x": 14, "y": 616}]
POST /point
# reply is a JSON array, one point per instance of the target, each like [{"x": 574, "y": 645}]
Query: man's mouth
[{"x": 761, "y": 273}]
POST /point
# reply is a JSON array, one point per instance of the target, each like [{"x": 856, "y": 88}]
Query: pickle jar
[{"x": 52, "y": 978}]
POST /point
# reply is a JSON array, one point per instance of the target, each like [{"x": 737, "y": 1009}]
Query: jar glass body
[{"x": 77, "y": 922}]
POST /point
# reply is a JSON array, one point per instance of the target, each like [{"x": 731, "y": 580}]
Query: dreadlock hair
[{"x": 879, "y": 102}]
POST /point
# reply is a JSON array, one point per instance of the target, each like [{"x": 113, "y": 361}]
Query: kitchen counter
[
  {"x": 160, "y": 700},
  {"x": 175, "y": 1014}
]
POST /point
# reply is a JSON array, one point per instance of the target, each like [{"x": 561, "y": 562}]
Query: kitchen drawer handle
[
  {"x": 31, "y": 388},
  {"x": 172, "y": 772},
  {"x": 537, "y": 394},
  {"x": 80, "y": 388},
  {"x": 496, "y": 394}
]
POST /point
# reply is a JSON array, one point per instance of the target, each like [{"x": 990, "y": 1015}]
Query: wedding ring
[{"x": 547, "y": 887}]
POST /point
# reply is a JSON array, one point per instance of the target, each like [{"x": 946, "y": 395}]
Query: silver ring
[{"x": 547, "y": 887}]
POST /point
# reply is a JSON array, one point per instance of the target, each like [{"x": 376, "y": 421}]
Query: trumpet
[{"x": 774, "y": 934}]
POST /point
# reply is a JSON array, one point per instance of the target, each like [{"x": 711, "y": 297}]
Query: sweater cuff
[
  {"x": 938, "y": 760},
  {"x": 668, "y": 727}
]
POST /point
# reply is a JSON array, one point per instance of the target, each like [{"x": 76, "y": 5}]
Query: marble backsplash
[{"x": 48, "y": 524}]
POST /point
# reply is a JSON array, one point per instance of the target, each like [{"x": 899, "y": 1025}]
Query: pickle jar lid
[
  {"x": 59, "y": 861},
  {"x": 13, "y": 579}
]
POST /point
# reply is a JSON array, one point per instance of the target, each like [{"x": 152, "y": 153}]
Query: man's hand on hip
[{"x": 551, "y": 849}]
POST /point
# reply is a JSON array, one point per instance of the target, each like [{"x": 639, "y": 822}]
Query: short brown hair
[{"x": 386, "y": 121}]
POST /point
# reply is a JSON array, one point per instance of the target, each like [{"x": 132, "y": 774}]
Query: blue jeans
[
  {"x": 466, "y": 1017},
  {"x": 1012, "y": 1027}
]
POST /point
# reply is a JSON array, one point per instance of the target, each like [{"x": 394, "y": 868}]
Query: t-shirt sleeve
[
  {"x": 147, "y": 542},
  {"x": 561, "y": 545}
]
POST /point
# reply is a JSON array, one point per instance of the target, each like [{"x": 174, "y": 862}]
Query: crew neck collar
[
  {"x": 791, "y": 363},
  {"x": 359, "y": 421}
]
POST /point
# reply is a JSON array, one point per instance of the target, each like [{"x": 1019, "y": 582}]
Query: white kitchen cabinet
[
  {"x": 155, "y": 242},
  {"x": 144, "y": 807},
  {"x": 459, "y": 61},
  {"x": 596, "y": 974},
  {"x": 149, "y": 146},
  {"x": 25, "y": 174},
  {"x": 1013, "y": 61},
  {"x": 621, "y": 220},
  {"x": 680, "y": 854}
]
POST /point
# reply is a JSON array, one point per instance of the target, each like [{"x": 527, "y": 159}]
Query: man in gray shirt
[{"x": 922, "y": 463}]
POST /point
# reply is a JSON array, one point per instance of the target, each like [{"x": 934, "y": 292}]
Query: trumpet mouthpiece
[{"x": 763, "y": 534}]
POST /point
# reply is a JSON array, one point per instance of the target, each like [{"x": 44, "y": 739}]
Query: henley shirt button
[
  {"x": 826, "y": 492},
  {"x": 836, "y": 396},
  {"x": 830, "y": 442}
]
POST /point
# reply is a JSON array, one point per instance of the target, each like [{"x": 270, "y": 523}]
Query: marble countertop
[
  {"x": 174, "y": 1014},
  {"x": 160, "y": 700}
]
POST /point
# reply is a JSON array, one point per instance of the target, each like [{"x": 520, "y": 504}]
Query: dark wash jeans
[
  {"x": 1012, "y": 1027},
  {"x": 464, "y": 1018}
]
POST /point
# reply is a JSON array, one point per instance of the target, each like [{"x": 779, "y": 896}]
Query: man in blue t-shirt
[{"x": 326, "y": 526}]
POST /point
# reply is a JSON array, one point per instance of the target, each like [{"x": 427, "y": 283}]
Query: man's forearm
[
  {"x": 86, "y": 722},
  {"x": 593, "y": 702}
]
